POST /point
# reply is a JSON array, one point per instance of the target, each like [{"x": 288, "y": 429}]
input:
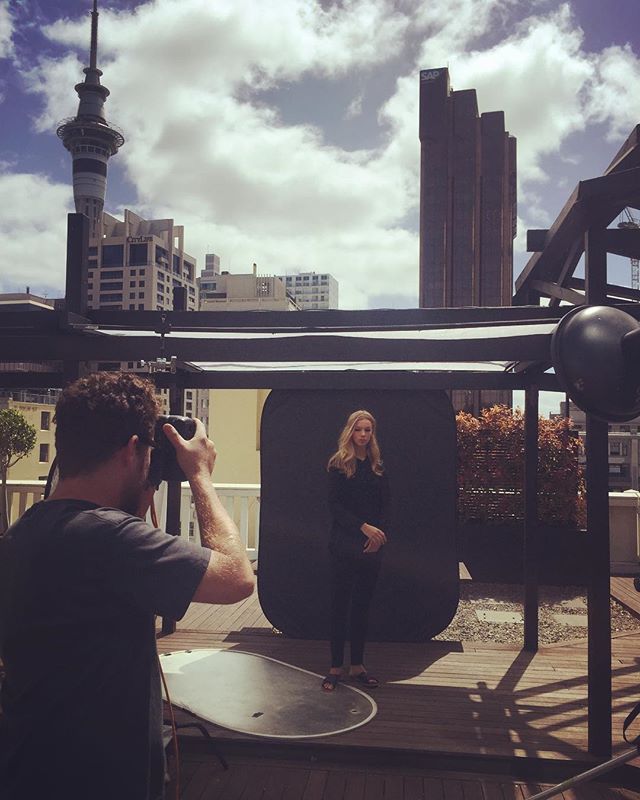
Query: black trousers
[{"x": 353, "y": 581}]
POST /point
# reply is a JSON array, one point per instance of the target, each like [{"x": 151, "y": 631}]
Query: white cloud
[
  {"x": 201, "y": 150},
  {"x": 614, "y": 97},
  {"x": 33, "y": 232},
  {"x": 204, "y": 148},
  {"x": 6, "y": 30},
  {"x": 354, "y": 109}
]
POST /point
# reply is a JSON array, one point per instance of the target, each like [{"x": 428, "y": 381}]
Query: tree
[{"x": 17, "y": 440}]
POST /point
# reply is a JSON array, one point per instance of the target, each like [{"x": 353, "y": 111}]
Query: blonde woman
[{"x": 358, "y": 501}]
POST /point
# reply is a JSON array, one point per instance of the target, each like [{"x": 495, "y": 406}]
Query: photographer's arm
[{"x": 229, "y": 575}]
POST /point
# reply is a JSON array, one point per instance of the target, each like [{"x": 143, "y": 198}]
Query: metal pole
[
  {"x": 174, "y": 495},
  {"x": 174, "y": 488},
  {"x": 77, "y": 264},
  {"x": 531, "y": 536},
  {"x": 597, "y": 453},
  {"x": 587, "y": 776}
]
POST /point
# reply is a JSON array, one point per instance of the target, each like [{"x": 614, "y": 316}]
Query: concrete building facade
[
  {"x": 244, "y": 292},
  {"x": 37, "y": 407},
  {"x": 312, "y": 290},
  {"x": 467, "y": 207},
  {"x": 136, "y": 263},
  {"x": 624, "y": 448}
]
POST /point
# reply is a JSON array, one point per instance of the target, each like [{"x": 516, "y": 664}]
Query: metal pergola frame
[{"x": 67, "y": 338}]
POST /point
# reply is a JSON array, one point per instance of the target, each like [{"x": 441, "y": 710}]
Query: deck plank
[{"x": 459, "y": 698}]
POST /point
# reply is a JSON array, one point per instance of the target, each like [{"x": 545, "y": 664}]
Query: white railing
[
  {"x": 21, "y": 495},
  {"x": 241, "y": 500}
]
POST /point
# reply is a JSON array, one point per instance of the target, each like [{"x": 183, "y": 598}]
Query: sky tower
[{"x": 89, "y": 139}]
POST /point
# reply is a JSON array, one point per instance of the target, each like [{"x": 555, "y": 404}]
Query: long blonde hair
[{"x": 344, "y": 459}]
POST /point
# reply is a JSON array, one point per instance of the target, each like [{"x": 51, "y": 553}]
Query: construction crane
[{"x": 633, "y": 223}]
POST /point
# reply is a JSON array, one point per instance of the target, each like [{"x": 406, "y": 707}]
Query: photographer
[{"x": 81, "y": 578}]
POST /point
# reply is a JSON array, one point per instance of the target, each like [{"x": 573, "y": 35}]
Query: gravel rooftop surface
[{"x": 563, "y": 614}]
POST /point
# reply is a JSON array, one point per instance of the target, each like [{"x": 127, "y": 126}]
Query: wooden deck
[
  {"x": 442, "y": 705},
  {"x": 202, "y": 778}
]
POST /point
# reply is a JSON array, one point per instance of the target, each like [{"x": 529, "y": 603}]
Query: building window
[
  {"x": 176, "y": 264},
  {"x": 189, "y": 270},
  {"x": 113, "y": 285},
  {"x": 132, "y": 284},
  {"x": 111, "y": 298},
  {"x": 45, "y": 420},
  {"x": 140, "y": 283},
  {"x": 130, "y": 364},
  {"x": 137, "y": 254},
  {"x": 109, "y": 366},
  {"x": 140, "y": 272},
  {"x": 112, "y": 255},
  {"x": 133, "y": 272},
  {"x": 140, "y": 306},
  {"x": 614, "y": 449},
  {"x": 132, "y": 306},
  {"x": 162, "y": 257},
  {"x": 160, "y": 275},
  {"x": 113, "y": 274},
  {"x": 160, "y": 298},
  {"x": 140, "y": 295},
  {"x": 93, "y": 251},
  {"x": 132, "y": 295},
  {"x": 44, "y": 454}
]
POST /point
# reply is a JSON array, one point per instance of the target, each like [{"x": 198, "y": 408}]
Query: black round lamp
[{"x": 596, "y": 355}]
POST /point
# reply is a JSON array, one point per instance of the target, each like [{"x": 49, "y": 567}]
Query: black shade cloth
[{"x": 418, "y": 589}]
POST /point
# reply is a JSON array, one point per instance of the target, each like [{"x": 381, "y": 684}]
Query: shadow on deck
[{"x": 445, "y": 706}]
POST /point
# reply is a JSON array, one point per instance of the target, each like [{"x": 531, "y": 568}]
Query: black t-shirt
[
  {"x": 81, "y": 701},
  {"x": 352, "y": 501}
]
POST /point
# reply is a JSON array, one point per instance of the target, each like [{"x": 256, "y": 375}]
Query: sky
[{"x": 285, "y": 132}]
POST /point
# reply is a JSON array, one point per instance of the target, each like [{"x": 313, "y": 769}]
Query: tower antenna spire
[
  {"x": 93, "y": 53},
  {"x": 90, "y": 139}
]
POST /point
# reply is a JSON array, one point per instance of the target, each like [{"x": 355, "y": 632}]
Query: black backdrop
[{"x": 417, "y": 593}]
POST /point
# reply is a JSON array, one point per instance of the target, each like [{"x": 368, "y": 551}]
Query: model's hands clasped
[
  {"x": 196, "y": 456},
  {"x": 375, "y": 537}
]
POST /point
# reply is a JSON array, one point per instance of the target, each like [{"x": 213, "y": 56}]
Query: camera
[{"x": 164, "y": 464}]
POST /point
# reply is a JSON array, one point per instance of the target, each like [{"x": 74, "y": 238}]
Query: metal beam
[
  {"x": 549, "y": 289},
  {"x": 531, "y": 535},
  {"x": 597, "y": 453},
  {"x": 195, "y": 348}
]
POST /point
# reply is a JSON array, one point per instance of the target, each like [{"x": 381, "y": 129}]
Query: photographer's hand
[
  {"x": 196, "y": 455},
  {"x": 229, "y": 576}
]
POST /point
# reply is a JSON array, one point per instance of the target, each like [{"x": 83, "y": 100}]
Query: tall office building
[
  {"x": 467, "y": 207},
  {"x": 207, "y": 282},
  {"x": 136, "y": 264},
  {"x": 89, "y": 139},
  {"x": 311, "y": 290}
]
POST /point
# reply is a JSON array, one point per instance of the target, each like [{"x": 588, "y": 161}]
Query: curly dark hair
[{"x": 97, "y": 415}]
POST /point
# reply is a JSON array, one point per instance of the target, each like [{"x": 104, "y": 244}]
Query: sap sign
[{"x": 429, "y": 74}]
